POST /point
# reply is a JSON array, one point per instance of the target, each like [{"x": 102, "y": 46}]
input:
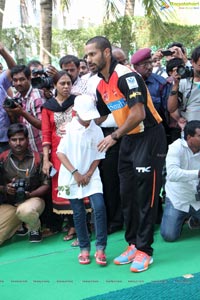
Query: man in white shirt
[
  {"x": 185, "y": 92},
  {"x": 183, "y": 175}
]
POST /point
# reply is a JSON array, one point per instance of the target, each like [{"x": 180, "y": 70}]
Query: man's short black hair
[
  {"x": 190, "y": 128},
  {"x": 177, "y": 44},
  {"x": 16, "y": 128},
  {"x": 21, "y": 68},
  {"x": 195, "y": 54},
  {"x": 68, "y": 59},
  {"x": 35, "y": 63},
  {"x": 83, "y": 60},
  {"x": 101, "y": 42}
]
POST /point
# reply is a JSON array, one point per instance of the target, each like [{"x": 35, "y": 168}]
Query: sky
[
  {"x": 89, "y": 11},
  {"x": 92, "y": 12}
]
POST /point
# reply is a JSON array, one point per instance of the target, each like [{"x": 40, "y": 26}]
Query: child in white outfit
[{"x": 79, "y": 175}]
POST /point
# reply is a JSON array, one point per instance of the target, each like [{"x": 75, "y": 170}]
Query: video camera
[
  {"x": 11, "y": 102},
  {"x": 185, "y": 72},
  {"x": 21, "y": 187},
  {"x": 42, "y": 80}
]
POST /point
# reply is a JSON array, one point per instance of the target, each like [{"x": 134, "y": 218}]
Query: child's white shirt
[{"x": 79, "y": 144}]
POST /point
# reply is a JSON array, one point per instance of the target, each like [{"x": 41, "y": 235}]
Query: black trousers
[
  {"x": 141, "y": 160},
  {"x": 111, "y": 186}
]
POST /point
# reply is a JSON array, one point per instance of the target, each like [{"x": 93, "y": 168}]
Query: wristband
[{"x": 74, "y": 171}]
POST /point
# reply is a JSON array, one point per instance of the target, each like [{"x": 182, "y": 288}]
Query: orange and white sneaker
[
  {"x": 127, "y": 256},
  {"x": 141, "y": 262}
]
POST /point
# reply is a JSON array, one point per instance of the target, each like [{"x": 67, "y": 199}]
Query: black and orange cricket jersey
[{"x": 124, "y": 89}]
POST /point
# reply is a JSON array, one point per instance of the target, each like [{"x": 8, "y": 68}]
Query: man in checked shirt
[{"x": 28, "y": 107}]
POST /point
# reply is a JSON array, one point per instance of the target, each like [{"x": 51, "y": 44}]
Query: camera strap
[{"x": 188, "y": 95}]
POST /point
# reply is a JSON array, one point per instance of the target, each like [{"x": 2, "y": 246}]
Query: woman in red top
[{"x": 56, "y": 112}]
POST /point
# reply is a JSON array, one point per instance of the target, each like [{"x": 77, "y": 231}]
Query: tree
[
  {"x": 2, "y": 8},
  {"x": 127, "y": 34},
  {"x": 152, "y": 9},
  {"x": 46, "y": 7}
]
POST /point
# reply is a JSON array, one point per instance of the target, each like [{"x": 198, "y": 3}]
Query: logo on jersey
[
  {"x": 134, "y": 94},
  {"x": 118, "y": 104},
  {"x": 143, "y": 169},
  {"x": 132, "y": 82}
]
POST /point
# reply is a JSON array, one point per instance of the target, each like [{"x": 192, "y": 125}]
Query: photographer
[
  {"x": 185, "y": 93},
  {"x": 22, "y": 186},
  {"x": 176, "y": 124},
  {"x": 174, "y": 50},
  {"x": 27, "y": 108},
  {"x": 183, "y": 175},
  {"x": 40, "y": 79},
  {"x": 178, "y": 51}
]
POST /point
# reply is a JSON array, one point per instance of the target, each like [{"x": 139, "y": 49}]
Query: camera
[
  {"x": 11, "y": 102},
  {"x": 167, "y": 52},
  {"x": 42, "y": 80},
  {"x": 21, "y": 187},
  {"x": 36, "y": 72},
  {"x": 185, "y": 72},
  {"x": 197, "y": 195}
]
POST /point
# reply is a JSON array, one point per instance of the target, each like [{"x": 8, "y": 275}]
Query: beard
[{"x": 101, "y": 64}]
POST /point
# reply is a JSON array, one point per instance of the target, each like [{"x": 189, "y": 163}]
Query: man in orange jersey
[{"x": 142, "y": 150}]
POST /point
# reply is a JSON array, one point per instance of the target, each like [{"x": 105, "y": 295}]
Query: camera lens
[{"x": 181, "y": 70}]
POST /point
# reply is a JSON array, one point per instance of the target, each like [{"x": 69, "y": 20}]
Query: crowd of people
[{"x": 102, "y": 145}]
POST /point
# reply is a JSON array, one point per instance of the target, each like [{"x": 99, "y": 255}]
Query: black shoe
[
  {"x": 22, "y": 231},
  {"x": 35, "y": 236}
]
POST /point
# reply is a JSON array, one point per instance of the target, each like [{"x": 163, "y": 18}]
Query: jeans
[
  {"x": 173, "y": 220},
  {"x": 79, "y": 215}
]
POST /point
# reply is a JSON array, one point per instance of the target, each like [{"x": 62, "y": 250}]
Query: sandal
[
  {"x": 75, "y": 243},
  {"x": 47, "y": 232},
  {"x": 84, "y": 258},
  {"x": 70, "y": 236},
  {"x": 100, "y": 258}
]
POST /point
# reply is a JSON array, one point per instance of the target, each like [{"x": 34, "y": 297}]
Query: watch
[{"x": 172, "y": 93}]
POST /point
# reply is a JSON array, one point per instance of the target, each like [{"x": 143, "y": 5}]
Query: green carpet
[{"x": 50, "y": 270}]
